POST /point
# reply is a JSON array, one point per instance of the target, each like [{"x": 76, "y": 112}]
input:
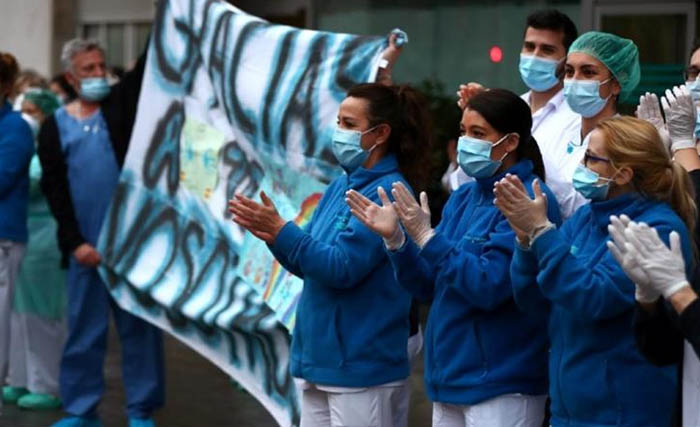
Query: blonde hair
[{"x": 637, "y": 144}]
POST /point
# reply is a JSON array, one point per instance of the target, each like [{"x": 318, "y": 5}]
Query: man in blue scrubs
[{"x": 82, "y": 148}]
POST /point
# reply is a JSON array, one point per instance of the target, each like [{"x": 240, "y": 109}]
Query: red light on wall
[{"x": 496, "y": 54}]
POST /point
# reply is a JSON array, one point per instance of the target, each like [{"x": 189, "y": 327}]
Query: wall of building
[{"x": 26, "y": 29}]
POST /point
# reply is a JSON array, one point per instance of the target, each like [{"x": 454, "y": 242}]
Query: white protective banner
[{"x": 229, "y": 103}]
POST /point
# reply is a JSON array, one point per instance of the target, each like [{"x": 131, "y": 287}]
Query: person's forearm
[
  {"x": 688, "y": 158},
  {"x": 682, "y": 299}
]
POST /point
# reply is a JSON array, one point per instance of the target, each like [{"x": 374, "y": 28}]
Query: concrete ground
[{"x": 198, "y": 395}]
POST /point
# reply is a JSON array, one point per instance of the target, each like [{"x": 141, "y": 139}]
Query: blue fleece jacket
[
  {"x": 478, "y": 345},
  {"x": 16, "y": 150},
  {"x": 597, "y": 376},
  {"x": 352, "y": 318}
]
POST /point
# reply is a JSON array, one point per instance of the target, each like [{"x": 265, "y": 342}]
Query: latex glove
[
  {"x": 383, "y": 219},
  {"x": 466, "y": 92},
  {"x": 665, "y": 267},
  {"x": 628, "y": 261},
  {"x": 680, "y": 117},
  {"x": 650, "y": 111},
  {"x": 414, "y": 217},
  {"x": 524, "y": 214}
]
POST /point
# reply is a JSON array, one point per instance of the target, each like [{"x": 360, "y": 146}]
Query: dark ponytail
[
  {"x": 508, "y": 113},
  {"x": 404, "y": 110}
]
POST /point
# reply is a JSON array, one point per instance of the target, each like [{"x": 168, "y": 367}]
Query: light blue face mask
[
  {"x": 697, "y": 124},
  {"x": 474, "y": 156},
  {"x": 347, "y": 147},
  {"x": 586, "y": 182},
  {"x": 539, "y": 74},
  {"x": 583, "y": 96},
  {"x": 694, "y": 89},
  {"x": 94, "y": 88}
]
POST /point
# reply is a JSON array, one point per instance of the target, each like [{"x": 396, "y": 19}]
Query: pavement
[{"x": 198, "y": 394}]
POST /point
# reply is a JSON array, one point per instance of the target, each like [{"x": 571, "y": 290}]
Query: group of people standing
[
  {"x": 62, "y": 158},
  {"x": 547, "y": 272}
]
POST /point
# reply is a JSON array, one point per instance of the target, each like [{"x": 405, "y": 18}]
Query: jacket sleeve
[
  {"x": 342, "y": 265},
  {"x": 119, "y": 108},
  {"x": 690, "y": 325},
  {"x": 526, "y": 292},
  {"x": 484, "y": 280},
  {"x": 16, "y": 150},
  {"x": 412, "y": 271},
  {"x": 54, "y": 185},
  {"x": 657, "y": 336},
  {"x": 282, "y": 258},
  {"x": 600, "y": 291}
]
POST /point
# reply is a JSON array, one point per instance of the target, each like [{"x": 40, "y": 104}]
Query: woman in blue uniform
[
  {"x": 597, "y": 375},
  {"x": 485, "y": 361},
  {"x": 352, "y": 324}
]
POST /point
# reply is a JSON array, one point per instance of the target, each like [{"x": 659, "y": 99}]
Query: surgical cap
[
  {"x": 45, "y": 100},
  {"x": 619, "y": 55}
]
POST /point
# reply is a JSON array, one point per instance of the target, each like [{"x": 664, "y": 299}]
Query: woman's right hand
[{"x": 383, "y": 219}]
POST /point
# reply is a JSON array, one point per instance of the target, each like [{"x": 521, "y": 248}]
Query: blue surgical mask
[
  {"x": 694, "y": 89},
  {"x": 583, "y": 96},
  {"x": 94, "y": 88},
  {"x": 474, "y": 156},
  {"x": 697, "y": 124},
  {"x": 539, "y": 74},
  {"x": 347, "y": 148},
  {"x": 586, "y": 182}
]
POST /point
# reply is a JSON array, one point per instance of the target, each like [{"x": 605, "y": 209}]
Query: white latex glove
[
  {"x": 383, "y": 219},
  {"x": 680, "y": 117},
  {"x": 665, "y": 267},
  {"x": 414, "y": 217},
  {"x": 628, "y": 261},
  {"x": 650, "y": 111}
]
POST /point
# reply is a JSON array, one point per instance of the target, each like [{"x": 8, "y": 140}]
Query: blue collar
[
  {"x": 630, "y": 204},
  {"x": 5, "y": 108},
  {"x": 522, "y": 169},
  {"x": 361, "y": 176}
]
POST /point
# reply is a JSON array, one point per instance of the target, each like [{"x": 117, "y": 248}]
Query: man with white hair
[{"x": 82, "y": 148}]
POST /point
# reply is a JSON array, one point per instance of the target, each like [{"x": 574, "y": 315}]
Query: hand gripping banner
[{"x": 229, "y": 103}]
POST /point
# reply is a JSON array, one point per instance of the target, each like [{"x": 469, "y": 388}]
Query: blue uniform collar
[
  {"x": 521, "y": 169},
  {"x": 361, "y": 176},
  {"x": 630, "y": 204},
  {"x": 5, "y": 108}
]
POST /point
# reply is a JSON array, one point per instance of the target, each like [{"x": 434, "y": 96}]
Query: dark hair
[
  {"x": 508, "y": 113},
  {"x": 404, "y": 109},
  {"x": 696, "y": 46},
  {"x": 60, "y": 79},
  {"x": 8, "y": 72},
  {"x": 552, "y": 19}
]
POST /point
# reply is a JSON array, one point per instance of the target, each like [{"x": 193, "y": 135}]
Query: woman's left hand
[
  {"x": 262, "y": 220},
  {"x": 523, "y": 213}
]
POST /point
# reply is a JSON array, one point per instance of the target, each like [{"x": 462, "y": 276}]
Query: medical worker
[
  {"x": 597, "y": 376},
  {"x": 81, "y": 148},
  {"x": 38, "y": 309},
  {"x": 349, "y": 345},
  {"x": 666, "y": 333},
  {"x": 16, "y": 150},
  {"x": 601, "y": 70},
  {"x": 485, "y": 361}
]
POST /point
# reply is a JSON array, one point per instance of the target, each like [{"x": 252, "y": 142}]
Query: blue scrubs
[{"x": 93, "y": 174}]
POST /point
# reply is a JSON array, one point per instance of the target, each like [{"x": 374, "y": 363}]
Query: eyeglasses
[
  {"x": 588, "y": 157},
  {"x": 691, "y": 73}
]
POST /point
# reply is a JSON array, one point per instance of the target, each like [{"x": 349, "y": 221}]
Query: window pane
[
  {"x": 91, "y": 31},
  {"x": 141, "y": 32},
  {"x": 115, "y": 45}
]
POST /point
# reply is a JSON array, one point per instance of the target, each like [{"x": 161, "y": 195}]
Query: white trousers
[
  {"x": 691, "y": 387},
  {"x": 371, "y": 407},
  {"x": 11, "y": 254},
  {"x": 511, "y": 410},
  {"x": 35, "y": 352}
]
